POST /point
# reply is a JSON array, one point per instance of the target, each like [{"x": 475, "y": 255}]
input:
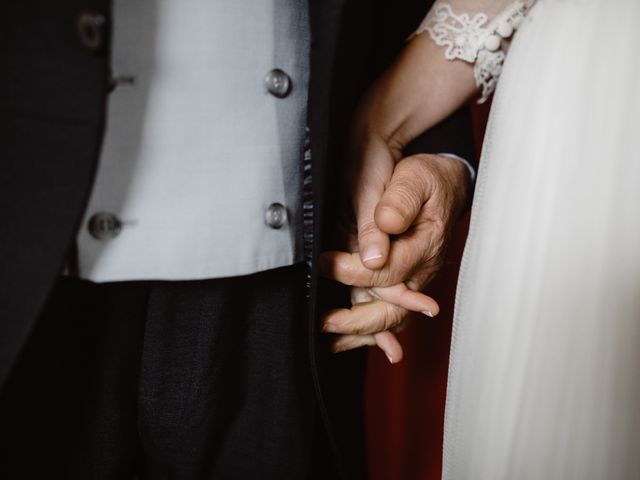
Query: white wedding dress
[{"x": 544, "y": 379}]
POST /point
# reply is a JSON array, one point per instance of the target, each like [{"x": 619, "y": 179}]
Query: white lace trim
[{"x": 474, "y": 39}]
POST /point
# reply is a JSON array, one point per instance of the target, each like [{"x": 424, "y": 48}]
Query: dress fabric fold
[{"x": 543, "y": 379}]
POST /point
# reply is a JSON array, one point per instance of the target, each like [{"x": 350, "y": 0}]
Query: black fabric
[
  {"x": 172, "y": 380},
  {"x": 51, "y": 120}
]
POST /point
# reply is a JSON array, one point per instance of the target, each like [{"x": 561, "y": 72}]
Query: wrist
[{"x": 452, "y": 181}]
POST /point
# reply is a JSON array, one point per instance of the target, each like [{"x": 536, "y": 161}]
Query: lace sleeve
[{"x": 476, "y": 31}]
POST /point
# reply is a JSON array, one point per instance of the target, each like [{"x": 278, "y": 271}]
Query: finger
[
  {"x": 346, "y": 268},
  {"x": 406, "y": 298},
  {"x": 414, "y": 258},
  {"x": 343, "y": 343},
  {"x": 360, "y": 295},
  {"x": 364, "y": 318},
  {"x": 373, "y": 243},
  {"x": 386, "y": 341},
  {"x": 405, "y": 195},
  {"x": 377, "y": 168},
  {"x": 389, "y": 344}
]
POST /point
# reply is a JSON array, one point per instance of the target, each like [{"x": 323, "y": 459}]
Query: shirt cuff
[{"x": 472, "y": 170}]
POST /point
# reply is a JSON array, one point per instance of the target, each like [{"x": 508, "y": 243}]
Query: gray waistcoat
[{"x": 200, "y": 172}]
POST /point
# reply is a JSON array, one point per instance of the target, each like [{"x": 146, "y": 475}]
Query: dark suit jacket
[{"x": 54, "y": 84}]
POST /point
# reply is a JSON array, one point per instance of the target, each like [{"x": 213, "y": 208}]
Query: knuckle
[
  {"x": 361, "y": 327},
  {"x": 436, "y": 226},
  {"x": 372, "y": 321},
  {"x": 434, "y": 255},
  {"x": 422, "y": 277},
  {"x": 396, "y": 145},
  {"x": 414, "y": 284},
  {"x": 359, "y": 322},
  {"x": 367, "y": 229},
  {"x": 393, "y": 315},
  {"x": 381, "y": 278}
]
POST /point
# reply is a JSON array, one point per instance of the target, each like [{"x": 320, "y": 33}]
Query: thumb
[
  {"x": 404, "y": 196},
  {"x": 376, "y": 168}
]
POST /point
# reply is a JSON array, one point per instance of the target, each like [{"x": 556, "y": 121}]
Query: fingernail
[
  {"x": 389, "y": 358},
  {"x": 428, "y": 313},
  {"x": 412, "y": 285},
  {"x": 371, "y": 253},
  {"x": 329, "y": 328}
]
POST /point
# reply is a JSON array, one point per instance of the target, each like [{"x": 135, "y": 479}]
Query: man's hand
[{"x": 418, "y": 206}]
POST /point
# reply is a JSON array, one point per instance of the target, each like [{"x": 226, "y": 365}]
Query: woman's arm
[{"x": 457, "y": 51}]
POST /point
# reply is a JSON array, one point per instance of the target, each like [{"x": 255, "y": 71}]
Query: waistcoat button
[
  {"x": 278, "y": 83},
  {"x": 276, "y": 215},
  {"x": 117, "y": 80},
  {"x": 104, "y": 226},
  {"x": 92, "y": 30}
]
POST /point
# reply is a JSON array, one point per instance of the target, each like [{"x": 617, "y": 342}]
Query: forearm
[
  {"x": 420, "y": 90},
  {"x": 428, "y": 82}
]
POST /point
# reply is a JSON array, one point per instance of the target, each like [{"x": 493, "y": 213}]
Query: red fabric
[{"x": 405, "y": 402}]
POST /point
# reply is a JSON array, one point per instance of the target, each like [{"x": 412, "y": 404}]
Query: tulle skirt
[{"x": 544, "y": 379}]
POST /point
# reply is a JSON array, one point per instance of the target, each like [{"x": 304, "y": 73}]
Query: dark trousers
[{"x": 164, "y": 380}]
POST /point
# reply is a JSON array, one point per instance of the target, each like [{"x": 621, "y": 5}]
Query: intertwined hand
[{"x": 403, "y": 223}]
